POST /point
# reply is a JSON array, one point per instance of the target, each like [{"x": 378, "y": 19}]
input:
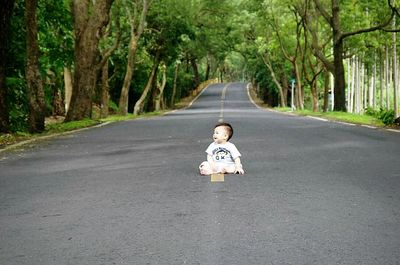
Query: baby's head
[{"x": 222, "y": 132}]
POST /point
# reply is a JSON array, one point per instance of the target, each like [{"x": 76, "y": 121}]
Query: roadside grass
[
  {"x": 360, "y": 119},
  {"x": 60, "y": 127}
]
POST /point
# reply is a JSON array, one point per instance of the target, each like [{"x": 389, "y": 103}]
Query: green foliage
[
  {"x": 20, "y": 107},
  {"x": 184, "y": 84},
  {"x": 268, "y": 90},
  {"x": 69, "y": 126},
  {"x": 56, "y": 51},
  {"x": 165, "y": 32},
  {"x": 386, "y": 116},
  {"x": 112, "y": 106}
]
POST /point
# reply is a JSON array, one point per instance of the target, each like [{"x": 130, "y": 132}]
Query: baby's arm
[{"x": 238, "y": 166}]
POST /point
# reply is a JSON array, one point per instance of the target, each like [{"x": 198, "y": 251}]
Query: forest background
[{"x": 92, "y": 58}]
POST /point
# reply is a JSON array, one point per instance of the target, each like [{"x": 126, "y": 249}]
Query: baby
[{"x": 222, "y": 155}]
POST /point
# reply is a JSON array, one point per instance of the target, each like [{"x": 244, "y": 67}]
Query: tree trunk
[
  {"x": 381, "y": 78},
  {"x": 387, "y": 78},
  {"x": 208, "y": 67},
  {"x": 35, "y": 87},
  {"x": 314, "y": 92},
  {"x": 326, "y": 90},
  {"x": 395, "y": 74},
  {"x": 351, "y": 98},
  {"x": 90, "y": 19},
  {"x": 136, "y": 33},
  {"x": 177, "y": 64},
  {"x": 196, "y": 75},
  {"x": 364, "y": 84},
  {"x": 350, "y": 84},
  {"x": 357, "y": 93},
  {"x": 105, "y": 96},
  {"x": 285, "y": 88},
  {"x": 140, "y": 103},
  {"x": 373, "y": 83},
  {"x": 339, "y": 82},
  {"x": 278, "y": 85},
  {"x": 298, "y": 92},
  {"x": 67, "y": 87},
  {"x": 123, "y": 99},
  {"x": 161, "y": 87},
  {"x": 6, "y": 9}
]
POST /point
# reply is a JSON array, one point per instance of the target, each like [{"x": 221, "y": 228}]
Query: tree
[
  {"x": 138, "y": 24},
  {"x": 165, "y": 33},
  {"x": 138, "y": 108},
  {"x": 90, "y": 20},
  {"x": 262, "y": 39},
  {"x": 6, "y": 9},
  {"x": 338, "y": 35},
  {"x": 35, "y": 87},
  {"x": 293, "y": 57}
]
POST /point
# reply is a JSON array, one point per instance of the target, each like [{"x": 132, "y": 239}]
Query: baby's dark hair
[{"x": 228, "y": 128}]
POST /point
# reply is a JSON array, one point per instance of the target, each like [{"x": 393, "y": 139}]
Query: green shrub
[
  {"x": 386, "y": 116},
  {"x": 371, "y": 112},
  {"x": 19, "y": 109},
  {"x": 113, "y": 107}
]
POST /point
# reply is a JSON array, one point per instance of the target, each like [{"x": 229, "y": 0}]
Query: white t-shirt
[{"x": 223, "y": 153}]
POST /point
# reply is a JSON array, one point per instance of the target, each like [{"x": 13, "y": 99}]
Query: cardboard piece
[{"x": 218, "y": 177}]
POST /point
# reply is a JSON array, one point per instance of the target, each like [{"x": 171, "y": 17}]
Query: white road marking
[
  {"x": 317, "y": 118},
  {"x": 223, "y": 95}
]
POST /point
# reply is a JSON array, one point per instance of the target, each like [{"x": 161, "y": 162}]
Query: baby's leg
[
  {"x": 205, "y": 168},
  {"x": 228, "y": 169}
]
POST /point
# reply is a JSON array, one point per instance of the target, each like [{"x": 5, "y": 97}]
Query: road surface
[{"x": 314, "y": 192}]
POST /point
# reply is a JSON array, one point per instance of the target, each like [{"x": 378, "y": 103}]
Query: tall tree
[
  {"x": 293, "y": 57},
  {"x": 34, "y": 81},
  {"x": 90, "y": 20},
  {"x": 6, "y": 9},
  {"x": 138, "y": 24}
]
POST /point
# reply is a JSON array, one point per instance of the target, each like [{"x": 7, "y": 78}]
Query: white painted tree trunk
[
  {"x": 68, "y": 87},
  {"x": 381, "y": 79},
  {"x": 373, "y": 84},
  {"x": 349, "y": 84},
  {"x": 395, "y": 74},
  {"x": 357, "y": 86},
  {"x": 387, "y": 74},
  {"x": 363, "y": 99}
]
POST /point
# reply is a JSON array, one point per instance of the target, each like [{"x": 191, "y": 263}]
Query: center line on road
[{"x": 223, "y": 95}]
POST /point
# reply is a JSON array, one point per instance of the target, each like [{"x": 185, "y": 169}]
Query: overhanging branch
[{"x": 378, "y": 27}]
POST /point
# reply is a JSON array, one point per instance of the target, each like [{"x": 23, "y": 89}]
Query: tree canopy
[{"x": 141, "y": 55}]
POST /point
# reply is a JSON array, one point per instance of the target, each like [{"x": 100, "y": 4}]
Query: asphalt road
[{"x": 314, "y": 192}]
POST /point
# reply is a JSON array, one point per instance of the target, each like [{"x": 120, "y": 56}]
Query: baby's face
[{"x": 220, "y": 135}]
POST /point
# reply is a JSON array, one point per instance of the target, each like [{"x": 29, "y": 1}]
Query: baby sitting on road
[{"x": 222, "y": 155}]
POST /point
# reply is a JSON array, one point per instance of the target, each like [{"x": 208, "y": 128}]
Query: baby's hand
[{"x": 239, "y": 169}]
